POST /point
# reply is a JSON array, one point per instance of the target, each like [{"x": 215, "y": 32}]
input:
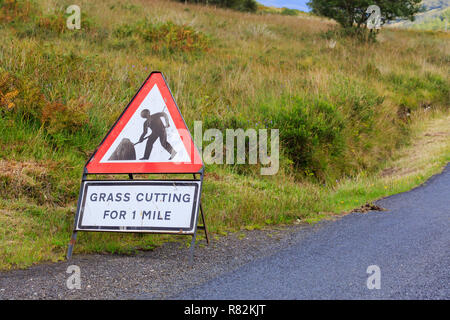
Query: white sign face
[
  {"x": 151, "y": 121},
  {"x": 139, "y": 206}
]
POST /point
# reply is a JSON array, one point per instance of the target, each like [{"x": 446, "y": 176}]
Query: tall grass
[{"x": 342, "y": 110}]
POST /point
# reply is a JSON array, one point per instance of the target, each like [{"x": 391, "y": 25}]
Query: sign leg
[
  {"x": 194, "y": 236},
  {"x": 204, "y": 223},
  {"x": 71, "y": 245},
  {"x": 203, "y": 215},
  {"x": 74, "y": 231}
]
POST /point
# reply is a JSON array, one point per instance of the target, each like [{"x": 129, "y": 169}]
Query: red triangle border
[{"x": 93, "y": 166}]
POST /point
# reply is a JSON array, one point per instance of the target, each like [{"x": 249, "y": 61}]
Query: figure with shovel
[
  {"x": 125, "y": 150},
  {"x": 153, "y": 121}
]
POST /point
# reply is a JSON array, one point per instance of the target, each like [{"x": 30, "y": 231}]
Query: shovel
[{"x": 141, "y": 141}]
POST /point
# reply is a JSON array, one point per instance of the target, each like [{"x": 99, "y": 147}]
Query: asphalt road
[{"x": 409, "y": 243}]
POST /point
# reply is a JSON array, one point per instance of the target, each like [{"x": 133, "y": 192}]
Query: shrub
[
  {"x": 21, "y": 97},
  {"x": 350, "y": 13},
  {"x": 8, "y": 91},
  {"x": 15, "y": 10},
  {"x": 359, "y": 34},
  {"x": 70, "y": 117},
  {"x": 166, "y": 36},
  {"x": 223, "y": 123},
  {"x": 247, "y": 5},
  {"x": 311, "y": 134},
  {"x": 52, "y": 23},
  {"x": 231, "y": 121},
  {"x": 289, "y": 12},
  {"x": 241, "y": 5},
  {"x": 414, "y": 91},
  {"x": 24, "y": 99},
  {"x": 55, "y": 24}
]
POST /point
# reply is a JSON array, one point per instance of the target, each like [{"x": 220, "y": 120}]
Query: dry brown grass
[
  {"x": 431, "y": 141},
  {"x": 26, "y": 179},
  {"x": 22, "y": 171}
]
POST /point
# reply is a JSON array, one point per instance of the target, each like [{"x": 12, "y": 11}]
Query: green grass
[{"x": 344, "y": 113}]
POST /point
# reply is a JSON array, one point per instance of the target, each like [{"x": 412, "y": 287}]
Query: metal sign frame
[{"x": 85, "y": 175}]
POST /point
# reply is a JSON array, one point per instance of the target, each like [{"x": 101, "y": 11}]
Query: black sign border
[{"x": 195, "y": 207}]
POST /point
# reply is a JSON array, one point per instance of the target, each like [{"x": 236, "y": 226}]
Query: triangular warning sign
[{"x": 149, "y": 137}]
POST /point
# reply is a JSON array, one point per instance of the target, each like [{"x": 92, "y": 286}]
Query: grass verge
[{"x": 31, "y": 233}]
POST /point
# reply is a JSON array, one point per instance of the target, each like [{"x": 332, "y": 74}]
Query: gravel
[{"x": 158, "y": 274}]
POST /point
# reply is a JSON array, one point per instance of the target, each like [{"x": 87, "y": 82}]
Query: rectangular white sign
[{"x": 139, "y": 206}]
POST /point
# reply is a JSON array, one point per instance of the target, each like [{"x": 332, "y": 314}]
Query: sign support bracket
[
  {"x": 73, "y": 239},
  {"x": 203, "y": 227}
]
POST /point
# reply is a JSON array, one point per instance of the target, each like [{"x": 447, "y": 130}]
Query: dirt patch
[
  {"x": 436, "y": 134},
  {"x": 213, "y": 176},
  {"x": 389, "y": 172},
  {"x": 368, "y": 207},
  {"x": 21, "y": 170}
]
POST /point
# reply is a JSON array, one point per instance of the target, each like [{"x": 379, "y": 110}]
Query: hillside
[
  {"x": 435, "y": 17},
  {"x": 275, "y": 10},
  {"x": 436, "y": 4},
  {"x": 343, "y": 109}
]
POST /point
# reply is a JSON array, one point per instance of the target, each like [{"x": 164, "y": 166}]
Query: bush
[
  {"x": 414, "y": 91},
  {"x": 8, "y": 91},
  {"x": 247, "y": 6},
  {"x": 70, "y": 117},
  {"x": 223, "y": 123},
  {"x": 53, "y": 23},
  {"x": 289, "y": 12},
  {"x": 354, "y": 32},
  {"x": 50, "y": 25},
  {"x": 311, "y": 134},
  {"x": 15, "y": 10},
  {"x": 231, "y": 121},
  {"x": 166, "y": 36},
  {"x": 241, "y": 5},
  {"x": 24, "y": 99}
]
